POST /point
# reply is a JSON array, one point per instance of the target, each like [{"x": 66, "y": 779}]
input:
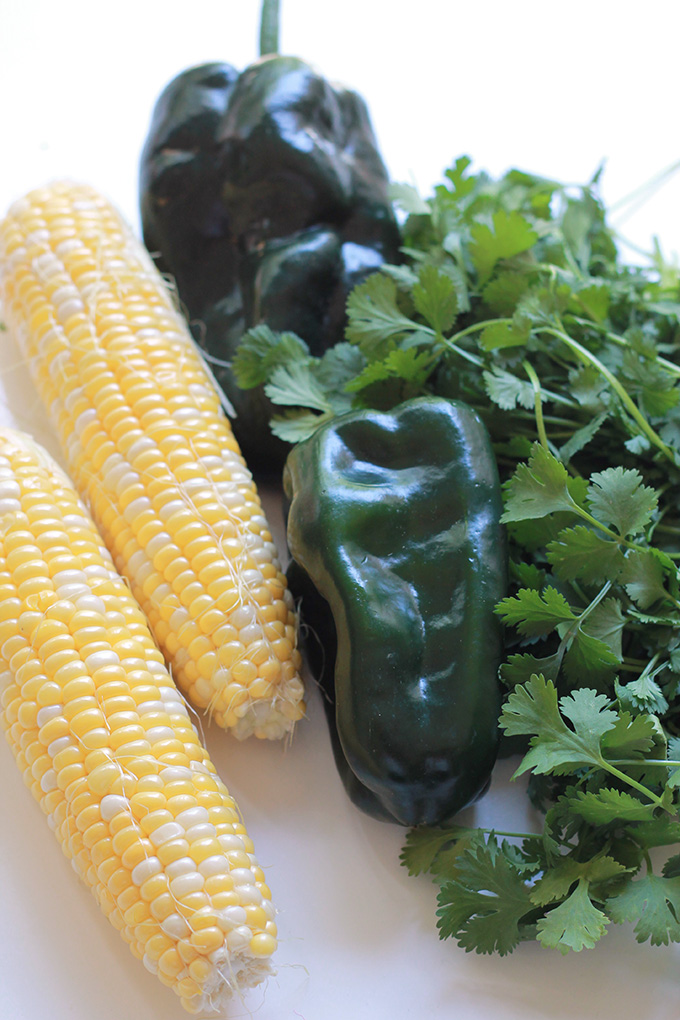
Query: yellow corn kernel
[
  {"x": 150, "y": 449},
  {"x": 139, "y": 831}
]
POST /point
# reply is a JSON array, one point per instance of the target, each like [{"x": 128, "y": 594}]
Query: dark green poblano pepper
[
  {"x": 398, "y": 558},
  {"x": 263, "y": 194}
]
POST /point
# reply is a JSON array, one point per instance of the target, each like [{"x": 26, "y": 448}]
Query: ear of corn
[
  {"x": 152, "y": 454},
  {"x": 106, "y": 746}
]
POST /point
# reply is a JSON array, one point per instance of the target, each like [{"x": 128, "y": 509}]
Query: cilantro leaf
[
  {"x": 573, "y": 925},
  {"x": 606, "y": 622},
  {"x": 519, "y": 667},
  {"x": 557, "y": 883},
  {"x": 580, "y": 223},
  {"x": 594, "y": 646},
  {"x": 434, "y": 296},
  {"x": 411, "y": 366},
  {"x": 485, "y": 908},
  {"x": 594, "y": 300},
  {"x": 538, "y": 488},
  {"x": 295, "y": 425},
  {"x": 619, "y": 498},
  {"x": 589, "y": 660},
  {"x": 374, "y": 317},
  {"x": 503, "y": 293},
  {"x": 408, "y": 198},
  {"x": 609, "y": 805},
  {"x": 639, "y": 444},
  {"x": 462, "y": 185},
  {"x": 296, "y": 385},
  {"x": 528, "y": 575},
  {"x": 534, "y": 535},
  {"x": 532, "y": 710},
  {"x": 260, "y": 350},
  {"x": 424, "y": 844},
  {"x": 642, "y": 695},
  {"x": 630, "y": 736},
  {"x": 510, "y": 234},
  {"x": 643, "y": 577},
  {"x": 503, "y": 334},
  {"x": 534, "y": 613},
  {"x": 590, "y": 716},
  {"x": 661, "y": 831},
  {"x": 506, "y": 390},
  {"x": 654, "y": 903},
  {"x": 587, "y": 386},
  {"x": 580, "y": 553},
  {"x": 671, "y": 868},
  {"x": 338, "y": 366},
  {"x": 657, "y": 389},
  {"x": 581, "y": 437}
]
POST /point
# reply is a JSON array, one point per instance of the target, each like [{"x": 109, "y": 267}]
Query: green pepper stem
[{"x": 269, "y": 27}]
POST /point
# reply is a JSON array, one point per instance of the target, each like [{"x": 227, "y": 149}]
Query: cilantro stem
[
  {"x": 477, "y": 327},
  {"x": 621, "y": 341},
  {"x": 570, "y": 632},
  {"x": 640, "y": 194},
  {"x": 630, "y": 666},
  {"x": 595, "y": 602},
  {"x": 451, "y": 343},
  {"x": 630, "y": 405},
  {"x": 563, "y": 428},
  {"x": 620, "y": 539},
  {"x": 645, "y": 761},
  {"x": 609, "y": 767},
  {"x": 538, "y": 404},
  {"x": 472, "y": 358},
  {"x": 511, "y": 835},
  {"x": 668, "y": 529}
]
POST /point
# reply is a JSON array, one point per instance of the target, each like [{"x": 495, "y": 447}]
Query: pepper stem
[{"x": 269, "y": 27}]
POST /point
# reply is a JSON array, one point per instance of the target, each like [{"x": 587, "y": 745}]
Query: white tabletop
[{"x": 552, "y": 89}]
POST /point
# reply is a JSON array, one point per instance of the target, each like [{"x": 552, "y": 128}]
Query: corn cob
[
  {"x": 152, "y": 454},
  {"x": 106, "y": 746}
]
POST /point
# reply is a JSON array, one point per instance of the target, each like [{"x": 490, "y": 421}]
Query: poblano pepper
[
  {"x": 398, "y": 558},
  {"x": 263, "y": 194}
]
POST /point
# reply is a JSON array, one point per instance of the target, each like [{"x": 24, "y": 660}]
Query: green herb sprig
[{"x": 513, "y": 296}]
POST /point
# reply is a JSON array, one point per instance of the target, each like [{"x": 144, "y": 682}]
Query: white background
[{"x": 555, "y": 89}]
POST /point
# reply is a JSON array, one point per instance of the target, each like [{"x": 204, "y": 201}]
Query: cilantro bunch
[{"x": 513, "y": 296}]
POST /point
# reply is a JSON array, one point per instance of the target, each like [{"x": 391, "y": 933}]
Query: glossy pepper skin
[
  {"x": 398, "y": 558},
  {"x": 264, "y": 196}
]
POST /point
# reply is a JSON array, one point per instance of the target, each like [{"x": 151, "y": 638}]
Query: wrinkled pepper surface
[
  {"x": 263, "y": 194},
  {"x": 398, "y": 558}
]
